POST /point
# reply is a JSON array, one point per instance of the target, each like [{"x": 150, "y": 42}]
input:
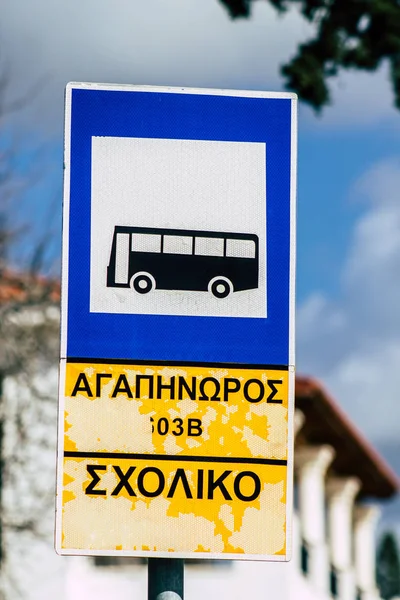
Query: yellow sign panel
[{"x": 175, "y": 460}]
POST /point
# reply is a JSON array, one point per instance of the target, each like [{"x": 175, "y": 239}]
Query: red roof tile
[
  {"x": 17, "y": 287},
  {"x": 327, "y": 423}
]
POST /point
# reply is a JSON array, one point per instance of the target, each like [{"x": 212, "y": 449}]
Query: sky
[{"x": 348, "y": 255}]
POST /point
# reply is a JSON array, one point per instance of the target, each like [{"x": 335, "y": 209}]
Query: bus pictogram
[{"x": 145, "y": 258}]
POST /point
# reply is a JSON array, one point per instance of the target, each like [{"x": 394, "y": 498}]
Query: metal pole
[{"x": 165, "y": 579}]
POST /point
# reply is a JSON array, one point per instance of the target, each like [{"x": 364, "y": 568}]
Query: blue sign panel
[{"x": 179, "y": 225}]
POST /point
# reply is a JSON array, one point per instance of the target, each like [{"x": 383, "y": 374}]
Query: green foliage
[
  {"x": 388, "y": 567},
  {"x": 350, "y": 34}
]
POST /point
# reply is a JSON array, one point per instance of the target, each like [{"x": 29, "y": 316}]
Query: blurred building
[{"x": 339, "y": 479}]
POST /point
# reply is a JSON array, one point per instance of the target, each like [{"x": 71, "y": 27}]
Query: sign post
[
  {"x": 165, "y": 578},
  {"x": 177, "y": 350}
]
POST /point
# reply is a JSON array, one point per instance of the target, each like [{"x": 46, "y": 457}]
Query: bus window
[
  {"x": 177, "y": 244},
  {"x": 204, "y": 246},
  {"x": 122, "y": 258},
  {"x": 146, "y": 242},
  {"x": 240, "y": 248}
]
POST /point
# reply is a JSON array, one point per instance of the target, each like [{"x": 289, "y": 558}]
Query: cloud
[
  {"x": 353, "y": 344},
  {"x": 371, "y": 275},
  {"x": 179, "y": 43},
  {"x": 359, "y": 100},
  {"x": 156, "y": 42}
]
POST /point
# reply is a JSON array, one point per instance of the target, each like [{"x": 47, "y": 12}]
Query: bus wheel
[
  {"x": 143, "y": 283},
  {"x": 220, "y": 287}
]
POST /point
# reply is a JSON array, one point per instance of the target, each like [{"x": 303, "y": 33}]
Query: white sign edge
[
  {"x": 60, "y": 456},
  {"x": 290, "y": 462},
  {"x": 65, "y": 223},
  {"x": 178, "y": 90},
  {"x": 185, "y": 555},
  {"x": 292, "y": 225}
]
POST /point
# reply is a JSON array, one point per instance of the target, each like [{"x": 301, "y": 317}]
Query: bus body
[{"x": 178, "y": 259}]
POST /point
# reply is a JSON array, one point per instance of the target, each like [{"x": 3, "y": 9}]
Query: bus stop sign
[{"x": 177, "y": 332}]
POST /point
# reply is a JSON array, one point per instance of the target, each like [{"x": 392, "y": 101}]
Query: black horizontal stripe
[
  {"x": 168, "y": 457},
  {"x": 172, "y": 363}
]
